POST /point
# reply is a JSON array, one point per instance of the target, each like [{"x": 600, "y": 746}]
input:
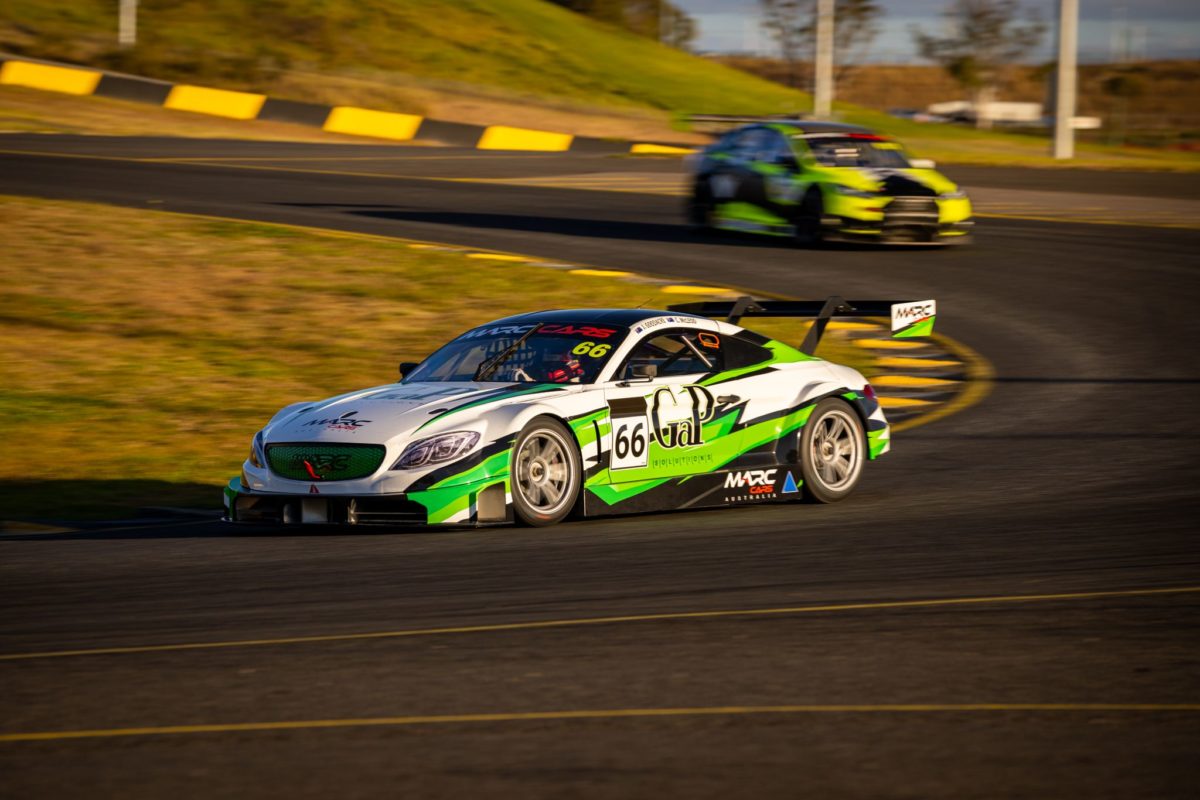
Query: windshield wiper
[{"x": 488, "y": 367}]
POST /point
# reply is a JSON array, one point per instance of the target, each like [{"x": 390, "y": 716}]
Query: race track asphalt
[{"x": 1064, "y": 503}]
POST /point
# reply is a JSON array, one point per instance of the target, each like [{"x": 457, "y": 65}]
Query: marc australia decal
[
  {"x": 672, "y": 417},
  {"x": 906, "y": 314},
  {"x": 758, "y": 484}
]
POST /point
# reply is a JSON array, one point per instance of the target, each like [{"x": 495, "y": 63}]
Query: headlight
[
  {"x": 958, "y": 194},
  {"x": 257, "y": 455},
  {"x": 436, "y": 449},
  {"x": 848, "y": 192}
]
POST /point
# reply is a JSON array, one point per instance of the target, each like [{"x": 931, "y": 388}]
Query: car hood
[
  {"x": 895, "y": 182},
  {"x": 382, "y": 413}
]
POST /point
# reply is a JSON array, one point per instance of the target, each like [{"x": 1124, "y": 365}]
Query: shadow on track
[
  {"x": 671, "y": 233},
  {"x": 1146, "y": 381},
  {"x": 209, "y": 528}
]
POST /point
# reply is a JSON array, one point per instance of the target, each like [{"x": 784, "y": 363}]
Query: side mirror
[
  {"x": 643, "y": 371},
  {"x": 922, "y": 163},
  {"x": 408, "y": 366}
]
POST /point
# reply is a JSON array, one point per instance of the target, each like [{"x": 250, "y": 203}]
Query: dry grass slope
[{"x": 144, "y": 349}]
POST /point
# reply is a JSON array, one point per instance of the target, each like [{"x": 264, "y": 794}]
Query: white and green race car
[{"x": 590, "y": 412}]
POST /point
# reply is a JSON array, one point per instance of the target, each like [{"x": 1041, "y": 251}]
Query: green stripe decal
[
  {"x": 876, "y": 441},
  {"x": 493, "y": 467},
  {"x": 613, "y": 493},
  {"x": 921, "y": 328}
]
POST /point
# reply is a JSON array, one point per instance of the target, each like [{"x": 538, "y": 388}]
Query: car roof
[
  {"x": 815, "y": 126},
  {"x": 612, "y": 316}
]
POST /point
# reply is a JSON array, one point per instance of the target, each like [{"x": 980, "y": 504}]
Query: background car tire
[
  {"x": 700, "y": 209},
  {"x": 808, "y": 218},
  {"x": 833, "y": 449},
  {"x": 545, "y": 473}
]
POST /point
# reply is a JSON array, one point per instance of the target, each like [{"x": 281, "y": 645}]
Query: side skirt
[{"x": 771, "y": 484}]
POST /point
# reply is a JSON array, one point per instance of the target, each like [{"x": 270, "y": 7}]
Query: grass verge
[{"x": 143, "y": 349}]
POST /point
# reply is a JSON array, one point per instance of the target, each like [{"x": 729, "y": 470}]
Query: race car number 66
[{"x": 629, "y": 443}]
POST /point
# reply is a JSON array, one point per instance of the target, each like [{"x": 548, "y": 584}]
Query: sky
[{"x": 1143, "y": 28}]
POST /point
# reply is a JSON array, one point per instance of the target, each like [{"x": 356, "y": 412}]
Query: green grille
[{"x": 332, "y": 462}]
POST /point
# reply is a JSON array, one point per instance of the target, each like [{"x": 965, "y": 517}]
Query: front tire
[
  {"x": 546, "y": 473},
  {"x": 832, "y": 451}
]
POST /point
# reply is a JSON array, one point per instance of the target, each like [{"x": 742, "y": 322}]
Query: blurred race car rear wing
[
  {"x": 909, "y": 318},
  {"x": 717, "y": 124}
]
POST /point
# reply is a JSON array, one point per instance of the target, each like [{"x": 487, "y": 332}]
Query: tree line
[
  {"x": 660, "y": 20},
  {"x": 980, "y": 40}
]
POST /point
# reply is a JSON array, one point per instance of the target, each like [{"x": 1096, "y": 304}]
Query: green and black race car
[{"x": 824, "y": 181}]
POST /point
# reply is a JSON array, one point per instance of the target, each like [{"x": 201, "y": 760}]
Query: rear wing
[{"x": 909, "y": 318}]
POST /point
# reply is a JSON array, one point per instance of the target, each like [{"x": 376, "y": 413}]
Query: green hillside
[
  {"x": 513, "y": 62},
  {"x": 317, "y": 49}
]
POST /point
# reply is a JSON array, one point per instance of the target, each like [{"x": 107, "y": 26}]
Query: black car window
[
  {"x": 750, "y": 144},
  {"x": 778, "y": 150},
  {"x": 727, "y": 142},
  {"x": 526, "y": 352},
  {"x": 679, "y": 352},
  {"x": 856, "y": 150},
  {"x": 741, "y": 351}
]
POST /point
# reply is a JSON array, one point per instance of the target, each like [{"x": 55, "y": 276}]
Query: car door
[
  {"x": 719, "y": 402},
  {"x": 659, "y": 426},
  {"x": 749, "y": 195},
  {"x": 776, "y": 185},
  {"x": 724, "y": 171}
]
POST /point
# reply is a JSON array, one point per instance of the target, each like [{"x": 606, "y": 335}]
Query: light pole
[
  {"x": 1064, "y": 91},
  {"x": 823, "y": 85},
  {"x": 127, "y": 23}
]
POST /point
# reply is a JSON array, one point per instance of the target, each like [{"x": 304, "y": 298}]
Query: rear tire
[
  {"x": 545, "y": 473},
  {"x": 832, "y": 451},
  {"x": 700, "y": 209},
  {"x": 808, "y": 219}
]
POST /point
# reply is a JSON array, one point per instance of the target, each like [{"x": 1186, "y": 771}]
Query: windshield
[
  {"x": 552, "y": 353},
  {"x": 856, "y": 150}
]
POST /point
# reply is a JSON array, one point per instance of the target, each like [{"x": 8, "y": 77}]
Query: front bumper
[
  {"x": 901, "y": 220},
  {"x": 481, "y": 503},
  {"x": 897, "y": 232}
]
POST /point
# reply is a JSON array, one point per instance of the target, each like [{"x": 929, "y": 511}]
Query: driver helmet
[{"x": 562, "y": 368}]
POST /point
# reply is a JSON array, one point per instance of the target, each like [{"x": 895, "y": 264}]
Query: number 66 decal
[{"x": 628, "y": 443}]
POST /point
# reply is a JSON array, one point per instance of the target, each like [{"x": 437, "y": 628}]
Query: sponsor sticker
[
  {"x": 555, "y": 328},
  {"x": 672, "y": 417},
  {"x": 630, "y": 433},
  {"x": 678, "y": 413},
  {"x": 723, "y": 186},
  {"x": 785, "y": 189},
  {"x": 346, "y": 422},
  {"x": 497, "y": 330},
  {"x": 752, "y": 484},
  {"x": 584, "y": 331},
  {"x": 907, "y": 314}
]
